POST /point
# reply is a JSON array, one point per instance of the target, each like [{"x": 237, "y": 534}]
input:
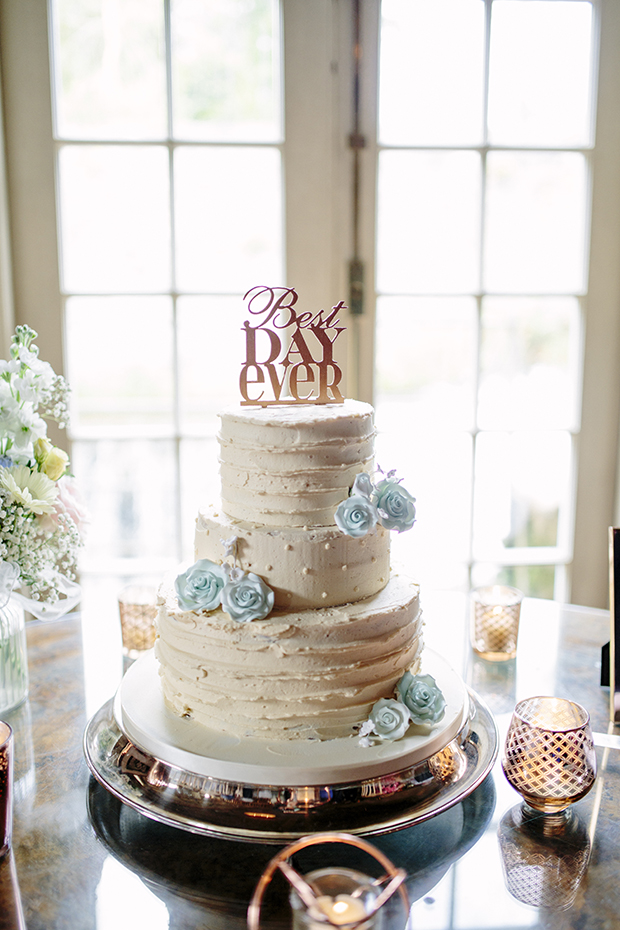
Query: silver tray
[{"x": 275, "y": 813}]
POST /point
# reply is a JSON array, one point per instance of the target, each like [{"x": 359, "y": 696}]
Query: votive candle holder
[
  {"x": 549, "y": 755},
  {"x": 6, "y": 787},
  {"x": 137, "y": 606},
  {"x": 495, "y": 611}
]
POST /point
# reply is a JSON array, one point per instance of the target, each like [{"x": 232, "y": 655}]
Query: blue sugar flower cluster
[
  {"x": 244, "y": 596},
  {"x": 386, "y": 503},
  {"x": 418, "y": 701}
]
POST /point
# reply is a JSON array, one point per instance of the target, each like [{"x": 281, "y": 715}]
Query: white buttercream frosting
[
  {"x": 296, "y": 674},
  {"x": 292, "y": 466},
  {"x": 343, "y": 631},
  {"x": 318, "y": 566}
]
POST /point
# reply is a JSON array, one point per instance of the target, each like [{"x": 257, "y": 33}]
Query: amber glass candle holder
[
  {"x": 495, "y": 615},
  {"x": 549, "y": 755},
  {"x": 137, "y": 606}
]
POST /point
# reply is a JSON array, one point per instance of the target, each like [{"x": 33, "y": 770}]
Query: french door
[{"x": 183, "y": 151}]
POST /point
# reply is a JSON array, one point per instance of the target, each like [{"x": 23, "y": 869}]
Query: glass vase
[{"x": 13, "y": 656}]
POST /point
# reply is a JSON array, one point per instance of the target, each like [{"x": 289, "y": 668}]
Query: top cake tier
[{"x": 292, "y": 466}]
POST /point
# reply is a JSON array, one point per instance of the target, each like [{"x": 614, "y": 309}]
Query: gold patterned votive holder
[
  {"x": 549, "y": 755},
  {"x": 495, "y": 611},
  {"x": 137, "y": 606},
  {"x": 6, "y": 787}
]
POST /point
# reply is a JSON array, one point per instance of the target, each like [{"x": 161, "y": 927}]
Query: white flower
[
  {"x": 230, "y": 547},
  {"x": 367, "y": 727},
  {"x": 33, "y": 490},
  {"x": 10, "y": 367},
  {"x": 39, "y": 519},
  {"x": 23, "y": 422}
]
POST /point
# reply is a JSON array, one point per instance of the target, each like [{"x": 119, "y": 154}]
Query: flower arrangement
[
  {"x": 40, "y": 511},
  {"x": 386, "y": 503},
  {"x": 206, "y": 585},
  {"x": 418, "y": 702}
]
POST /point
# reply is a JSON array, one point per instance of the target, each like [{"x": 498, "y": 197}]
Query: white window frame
[{"x": 318, "y": 40}]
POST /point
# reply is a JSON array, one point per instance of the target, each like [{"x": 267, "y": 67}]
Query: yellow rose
[
  {"x": 55, "y": 463},
  {"x": 42, "y": 449}
]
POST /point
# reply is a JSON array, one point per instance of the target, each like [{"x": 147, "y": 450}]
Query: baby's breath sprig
[{"x": 39, "y": 511}]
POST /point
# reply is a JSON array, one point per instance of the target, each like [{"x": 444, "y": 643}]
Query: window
[
  {"x": 480, "y": 327},
  {"x": 168, "y": 131},
  {"x": 485, "y": 133}
]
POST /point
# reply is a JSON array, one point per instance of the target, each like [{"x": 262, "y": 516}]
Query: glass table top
[{"x": 82, "y": 860}]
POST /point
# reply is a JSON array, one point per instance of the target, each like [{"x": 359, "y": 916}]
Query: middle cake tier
[{"x": 305, "y": 567}]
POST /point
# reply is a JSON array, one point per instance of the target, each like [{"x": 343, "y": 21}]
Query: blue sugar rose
[
  {"x": 201, "y": 586},
  {"x": 362, "y": 485},
  {"x": 390, "y": 718},
  {"x": 421, "y": 695},
  {"x": 247, "y": 598},
  {"x": 395, "y": 506},
  {"x": 356, "y": 516}
]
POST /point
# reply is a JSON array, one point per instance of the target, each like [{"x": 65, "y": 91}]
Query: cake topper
[{"x": 289, "y": 355}]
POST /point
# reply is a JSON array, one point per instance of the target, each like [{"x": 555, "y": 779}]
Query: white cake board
[{"x": 141, "y": 713}]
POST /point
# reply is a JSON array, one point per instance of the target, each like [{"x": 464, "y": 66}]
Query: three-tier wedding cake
[{"x": 290, "y": 625}]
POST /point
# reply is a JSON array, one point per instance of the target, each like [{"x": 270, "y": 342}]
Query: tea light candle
[
  {"x": 339, "y": 911},
  {"x": 339, "y": 897},
  {"x": 333, "y": 897}
]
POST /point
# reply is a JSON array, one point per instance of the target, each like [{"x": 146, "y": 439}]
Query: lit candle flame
[{"x": 344, "y": 909}]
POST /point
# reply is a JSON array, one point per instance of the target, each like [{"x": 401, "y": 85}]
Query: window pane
[
  {"x": 228, "y": 218},
  {"x": 535, "y": 222},
  {"x": 428, "y": 222},
  {"x": 110, "y": 69},
  {"x": 425, "y": 361},
  {"x": 205, "y": 388},
  {"x": 533, "y": 580},
  {"x": 114, "y": 218},
  {"x": 540, "y": 73},
  {"x": 119, "y": 352},
  {"x": 225, "y": 70},
  {"x": 529, "y": 363},
  {"x": 522, "y": 484},
  {"x": 127, "y": 485},
  {"x": 436, "y": 468},
  {"x": 431, "y": 72},
  {"x": 200, "y": 485}
]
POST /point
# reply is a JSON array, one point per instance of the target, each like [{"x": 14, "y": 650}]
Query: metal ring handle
[{"x": 397, "y": 876}]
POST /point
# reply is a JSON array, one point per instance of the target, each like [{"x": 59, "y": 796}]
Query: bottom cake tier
[
  {"x": 296, "y": 675},
  {"x": 176, "y": 772}
]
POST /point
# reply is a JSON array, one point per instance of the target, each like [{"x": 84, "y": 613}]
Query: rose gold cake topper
[{"x": 289, "y": 355}]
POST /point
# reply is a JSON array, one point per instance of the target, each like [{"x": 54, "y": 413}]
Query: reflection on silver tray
[
  {"x": 206, "y": 880},
  {"x": 199, "y": 804}
]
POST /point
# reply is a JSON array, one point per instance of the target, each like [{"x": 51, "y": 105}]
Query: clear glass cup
[
  {"x": 549, "y": 755},
  {"x": 13, "y": 656},
  {"x": 344, "y": 897},
  {"x": 495, "y": 615},
  {"x": 137, "y": 606}
]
